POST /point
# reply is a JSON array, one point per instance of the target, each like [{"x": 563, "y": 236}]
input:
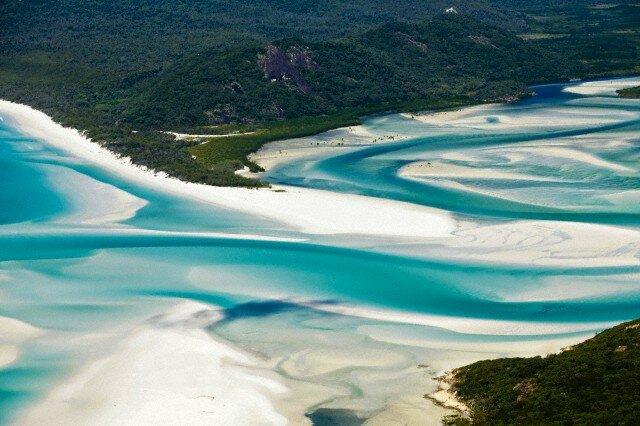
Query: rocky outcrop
[
  {"x": 285, "y": 67},
  {"x": 301, "y": 58},
  {"x": 410, "y": 40},
  {"x": 222, "y": 114},
  {"x": 483, "y": 41},
  {"x": 526, "y": 388}
]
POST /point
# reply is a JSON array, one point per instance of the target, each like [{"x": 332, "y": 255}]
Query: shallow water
[
  {"x": 65, "y": 271},
  {"x": 568, "y": 151}
]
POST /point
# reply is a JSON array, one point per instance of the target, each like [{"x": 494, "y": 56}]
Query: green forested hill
[
  {"x": 131, "y": 36},
  {"x": 449, "y": 57},
  {"x": 115, "y": 67},
  {"x": 596, "y": 382},
  {"x": 604, "y": 36},
  {"x": 448, "y": 60}
]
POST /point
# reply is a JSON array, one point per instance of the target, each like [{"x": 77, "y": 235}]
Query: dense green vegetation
[
  {"x": 595, "y": 382},
  {"x": 632, "y": 93},
  {"x": 604, "y": 36},
  {"x": 447, "y": 61},
  {"x": 146, "y": 34},
  {"x": 219, "y": 150},
  {"x": 450, "y": 57},
  {"x": 236, "y": 148},
  {"x": 125, "y": 71}
]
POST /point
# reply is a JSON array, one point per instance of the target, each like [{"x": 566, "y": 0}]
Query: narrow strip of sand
[
  {"x": 186, "y": 136},
  {"x": 306, "y": 210},
  {"x": 513, "y": 118},
  {"x": 460, "y": 324},
  {"x": 97, "y": 203},
  {"x": 607, "y": 88},
  {"x": 438, "y": 169}
]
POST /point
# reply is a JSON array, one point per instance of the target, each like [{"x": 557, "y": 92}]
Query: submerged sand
[
  {"x": 168, "y": 370},
  {"x": 171, "y": 370}
]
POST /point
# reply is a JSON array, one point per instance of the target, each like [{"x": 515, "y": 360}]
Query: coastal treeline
[
  {"x": 126, "y": 72},
  {"x": 593, "y": 383},
  {"x": 292, "y": 88},
  {"x": 630, "y": 93},
  {"x": 603, "y": 36}
]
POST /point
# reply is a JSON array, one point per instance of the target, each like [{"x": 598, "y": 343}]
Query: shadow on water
[
  {"x": 258, "y": 309},
  {"x": 334, "y": 417}
]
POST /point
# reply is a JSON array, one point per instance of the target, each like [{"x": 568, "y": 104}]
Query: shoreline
[
  {"x": 447, "y": 398},
  {"x": 314, "y": 216},
  {"x": 606, "y": 87},
  {"x": 339, "y": 140},
  {"x": 318, "y": 212},
  {"x": 309, "y": 211}
]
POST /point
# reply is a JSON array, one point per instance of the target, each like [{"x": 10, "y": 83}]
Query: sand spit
[
  {"x": 306, "y": 210},
  {"x": 607, "y": 88}
]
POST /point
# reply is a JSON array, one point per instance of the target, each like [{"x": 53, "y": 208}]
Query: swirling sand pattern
[{"x": 117, "y": 295}]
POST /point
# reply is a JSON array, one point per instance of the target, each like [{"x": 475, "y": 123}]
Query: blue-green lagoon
[{"x": 490, "y": 231}]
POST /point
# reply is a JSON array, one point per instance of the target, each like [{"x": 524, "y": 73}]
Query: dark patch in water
[
  {"x": 264, "y": 308},
  {"x": 258, "y": 309},
  {"x": 334, "y": 417}
]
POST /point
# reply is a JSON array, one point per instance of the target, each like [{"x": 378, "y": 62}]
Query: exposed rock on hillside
[
  {"x": 282, "y": 67},
  {"x": 482, "y": 40},
  {"x": 410, "y": 40}
]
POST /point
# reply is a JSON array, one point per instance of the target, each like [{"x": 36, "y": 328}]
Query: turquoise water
[
  {"x": 17, "y": 189},
  {"x": 73, "y": 279},
  {"x": 373, "y": 171}
]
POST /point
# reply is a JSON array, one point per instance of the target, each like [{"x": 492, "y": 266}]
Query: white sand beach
[
  {"x": 448, "y": 116},
  {"x": 306, "y": 210},
  {"x": 98, "y": 204},
  {"x": 493, "y": 117},
  {"x": 168, "y": 370},
  {"x": 446, "y": 397},
  {"x": 607, "y": 88},
  {"x": 437, "y": 169},
  {"x": 188, "y": 137},
  {"x": 323, "y": 212},
  {"x": 340, "y": 140}
]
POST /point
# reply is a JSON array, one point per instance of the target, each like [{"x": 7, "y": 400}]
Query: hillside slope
[
  {"x": 448, "y": 57},
  {"x": 594, "y": 382},
  {"x": 112, "y": 68},
  {"x": 137, "y": 34},
  {"x": 449, "y": 60},
  {"x": 603, "y": 36}
]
